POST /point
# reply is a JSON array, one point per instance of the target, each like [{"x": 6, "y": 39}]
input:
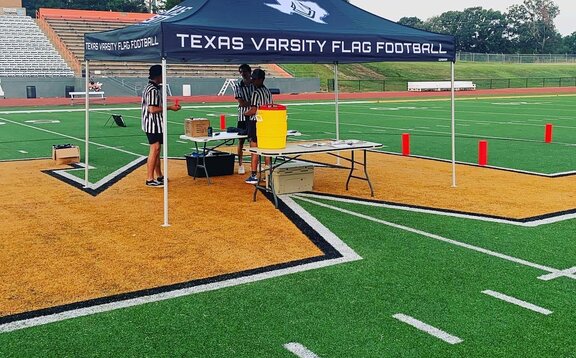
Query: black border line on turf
[
  {"x": 94, "y": 192},
  {"x": 447, "y": 211},
  {"x": 329, "y": 253}
]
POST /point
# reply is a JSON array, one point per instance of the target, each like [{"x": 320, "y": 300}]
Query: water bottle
[{"x": 209, "y": 131}]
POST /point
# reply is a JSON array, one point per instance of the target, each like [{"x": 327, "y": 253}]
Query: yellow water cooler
[{"x": 271, "y": 126}]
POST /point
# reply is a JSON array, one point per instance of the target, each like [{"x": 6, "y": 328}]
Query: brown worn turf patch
[
  {"x": 59, "y": 245},
  {"x": 428, "y": 183}
]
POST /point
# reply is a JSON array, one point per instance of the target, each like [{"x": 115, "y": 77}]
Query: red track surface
[{"x": 36, "y": 102}]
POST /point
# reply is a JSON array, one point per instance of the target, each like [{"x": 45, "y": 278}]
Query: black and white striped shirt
[
  {"x": 243, "y": 91},
  {"x": 151, "y": 96},
  {"x": 260, "y": 97}
]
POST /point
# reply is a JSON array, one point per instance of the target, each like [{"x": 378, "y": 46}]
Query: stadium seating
[
  {"x": 70, "y": 27},
  {"x": 26, "y": 51}
]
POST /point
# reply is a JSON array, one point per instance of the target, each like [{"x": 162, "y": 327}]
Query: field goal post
[{"x": 229, "y": 82}]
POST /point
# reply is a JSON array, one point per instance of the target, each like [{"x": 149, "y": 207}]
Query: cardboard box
[
  {"x": 66, "y": 155},
  {"x": 196, "y": 127},
  {"x": 293, "y": 177}
]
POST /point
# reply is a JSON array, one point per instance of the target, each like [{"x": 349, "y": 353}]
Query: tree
[
  {"x": 412, "y": 21},
  {"x": 569, "y": 43},
  {"x": 171, "y": 3},
  {"x": 475, "y": 29},
  {"x": 531, "y": 26}
]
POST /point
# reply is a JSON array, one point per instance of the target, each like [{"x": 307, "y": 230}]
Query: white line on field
[
  {"x": 558, "y": 274},
  {"x": 66, "y": 173},
  {"x": 180, "y": 141},
  {"x": 438, "y": 333},
  {"x": 299, "y": 350},
  {"x": 517, "y": 302},
  {"x": 146, "y": 144},
  {"x": 68, "y": 136},
  {"x": 23, "y": 151},
  {"x": 443, "y": 239},
  {"x": 183, "y": 107}
]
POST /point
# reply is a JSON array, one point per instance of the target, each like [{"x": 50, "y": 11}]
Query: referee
[
  {"x": 243, "y": 94},
  {"x": 152, "y": 124},
  {"x": 260, "y": 97}
]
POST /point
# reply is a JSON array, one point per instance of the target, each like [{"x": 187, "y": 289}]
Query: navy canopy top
[{"x": 268, "y": 31}]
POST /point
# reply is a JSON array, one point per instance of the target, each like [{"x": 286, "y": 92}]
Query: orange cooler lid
[{"x": 273, "y": 107}]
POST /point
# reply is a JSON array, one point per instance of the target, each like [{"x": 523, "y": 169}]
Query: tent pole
[
  {"x": 165, "y": 138},
  {"x": 453, "y": 126},
  {"x": 337, "y": 100},
  {"x": 87, "y": 121},
  {"x": 337, "y": 105}
]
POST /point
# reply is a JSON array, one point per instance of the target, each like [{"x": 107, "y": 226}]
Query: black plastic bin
[
  {"x": 217, "y": 164},
  {"x": 30, "y": 91}
]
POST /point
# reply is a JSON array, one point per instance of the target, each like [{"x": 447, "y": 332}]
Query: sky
[{"x": 424, "y": 9}]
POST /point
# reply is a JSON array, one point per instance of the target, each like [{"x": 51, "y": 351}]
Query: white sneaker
[{"x": 241, "y": 170}]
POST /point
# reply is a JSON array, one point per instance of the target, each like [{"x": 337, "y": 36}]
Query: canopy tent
[{"x": 266, "y": 31}]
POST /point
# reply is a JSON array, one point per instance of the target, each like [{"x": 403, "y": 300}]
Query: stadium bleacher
[
  {"x": 26, "y": 52},
  {"x": 71, "y": 25}
]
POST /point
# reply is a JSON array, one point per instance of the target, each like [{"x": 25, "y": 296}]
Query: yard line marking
[
  {"x": 517, "y": 302},
  {"x": 441, "y": 238},
  {"x": 300, "y": 351},
  {"x": 146, "y": 144},
  {"x": 422, "y": 127},
  {"x": 181, "y": 141},
  {"x": 436, "y": 332},
  {"x": 568, "y": 272},
  {"x": 68, "y": 136},
  {"x": 23, "y": 151},
  {"x": 443, "y": 126}
]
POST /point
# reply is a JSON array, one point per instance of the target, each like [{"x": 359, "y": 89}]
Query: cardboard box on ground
[
  {"x": 196, "y": 127},
  {"x": 66, "y": 155},
  {"x": 293, "y": 177}
]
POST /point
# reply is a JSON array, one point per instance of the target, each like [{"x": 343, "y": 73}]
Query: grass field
[
  {"x": 513, "y": 127},
  {"x": 438, "y": 269},
  {"x": 396, "y": 74}
]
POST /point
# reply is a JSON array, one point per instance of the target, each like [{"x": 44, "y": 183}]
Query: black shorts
[
  {"x": 155, "y": 138},
  {"x": 242, "y": 124},
  {"x": 251, "y": 128}
]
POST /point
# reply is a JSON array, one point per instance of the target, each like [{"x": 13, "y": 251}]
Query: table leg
[
  {"x": 366, "y": 174},
  {"x": 257, "y": 185},
  {"x": 350, "y": 174}
]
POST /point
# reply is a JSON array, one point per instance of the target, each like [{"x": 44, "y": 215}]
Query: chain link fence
[
  {"x": 481, "y": 83},
  {"x": 515, "y": 58}
]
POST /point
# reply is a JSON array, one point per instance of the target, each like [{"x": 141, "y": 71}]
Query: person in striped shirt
[
  {"x": 243, "y": 93},
  {"x": 260, "y": 97},
  {"x": 152, "y": 124}
]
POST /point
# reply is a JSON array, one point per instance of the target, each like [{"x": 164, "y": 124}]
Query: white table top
[
  {"x": 228, "y": 136},
  {"x": 215, "y": 136},
  {"x": 319, "y": 147}
]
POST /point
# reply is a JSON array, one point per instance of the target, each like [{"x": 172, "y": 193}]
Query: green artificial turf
[{"x": 346, "y": 310}]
